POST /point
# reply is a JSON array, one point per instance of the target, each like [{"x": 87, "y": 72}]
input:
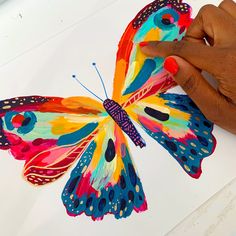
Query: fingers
[
  {"x": 210, "y": 102},
  {"x": 193, "y": 83},
  {"x": 210, "y": 22},
  {"x": 201, "y": 56},
  {"x": 199, "y": 29},
  {"x": 229, "y": 6}
]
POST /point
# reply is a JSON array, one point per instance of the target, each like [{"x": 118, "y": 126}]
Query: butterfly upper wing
[
  {"x": 178, "y": 125},
  {"x": 136, "y": 75},
  {"x": 49, "y": 133},
  {"x": 104, "y": 180}
]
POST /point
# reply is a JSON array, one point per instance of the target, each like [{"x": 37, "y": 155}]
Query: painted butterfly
[{"x": 52, "y": 133}]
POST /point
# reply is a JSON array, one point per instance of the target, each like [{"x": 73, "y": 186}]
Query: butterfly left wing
[
  {"x": 178, "y": 125},
  {"x": 104, "y": 180},
  {"x": 49, "y": 133}
]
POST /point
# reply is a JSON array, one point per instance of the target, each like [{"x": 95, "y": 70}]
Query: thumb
[{"x": 208, "y": 100}]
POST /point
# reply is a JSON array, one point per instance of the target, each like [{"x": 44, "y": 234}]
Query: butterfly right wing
[
  {"x": 177, "y": 124},
  {"x": 159, "y": 20},
  {"x": 104, "y": 180}
]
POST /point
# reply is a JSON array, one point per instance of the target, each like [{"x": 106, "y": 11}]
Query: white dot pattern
[{"x": 143, "y": 15}]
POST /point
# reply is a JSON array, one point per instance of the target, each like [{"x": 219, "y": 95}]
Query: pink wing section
[{"x": 50, "y": 164}]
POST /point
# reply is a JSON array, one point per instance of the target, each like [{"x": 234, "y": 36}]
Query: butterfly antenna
[
  {"x": 75, "y": 77},
  {"x": 99, "y": 75}
]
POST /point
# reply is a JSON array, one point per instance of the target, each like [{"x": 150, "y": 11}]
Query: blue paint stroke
[
  {"x": 145, "y": 73},
  {"x": 76, "y": 136}
]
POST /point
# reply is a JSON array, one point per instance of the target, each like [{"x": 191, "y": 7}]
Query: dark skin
[{"x": 209, "y": 45}]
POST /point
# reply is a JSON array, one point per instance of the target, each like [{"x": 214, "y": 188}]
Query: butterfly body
[
  {"x": 52, "y": 134},
  {"x": 120, "y": 116}
]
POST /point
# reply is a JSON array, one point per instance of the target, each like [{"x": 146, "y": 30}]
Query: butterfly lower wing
[
  {"x": 160, "y": 20},
  {"x": 52, "y": 161},
  {"x": 49, "y": 133},
  {"x": 178, "y": 125},
  {"x": 104, "y": 180}
]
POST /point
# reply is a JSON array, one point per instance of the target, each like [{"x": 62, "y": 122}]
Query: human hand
[{"x": 209, "y": 45}]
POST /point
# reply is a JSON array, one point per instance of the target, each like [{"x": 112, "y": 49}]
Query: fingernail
[
  {"x": 171, "y": 65},
  {"x": 143, "y": 44}
]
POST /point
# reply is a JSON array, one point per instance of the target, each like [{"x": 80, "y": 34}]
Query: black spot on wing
[
  {"x": 73, "y": 184},
  {"x": 26, "y": 121},
  {"x": 207, "y": 124},
  {"x": 132, "y": 175},
  {"x": 111, "y": 195},
  {"x": 166, "y": 21},
  {"x": 102, "y": 204},
  {"x": 122, "y": 182},
  {"x": 89, "y": 202},
  {"x": 203, "y": 140},
  {"x": 122, "y": 204},
  {"x": 110, "y": 151},
  {"x": 194, "y": 152},
  {"x": 157, "y": 114},
  {"x": 193, "y": 105},
  {"x": 131, "y": 195},
  {"x": 171, "y": 145},
  {"x": 76, "y": 203}
]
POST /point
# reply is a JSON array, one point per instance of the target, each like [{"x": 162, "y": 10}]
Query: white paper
[{"x": 47, "y": 70}]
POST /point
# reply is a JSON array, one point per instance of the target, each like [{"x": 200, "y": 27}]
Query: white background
[{"x": 42, "y": 44}]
